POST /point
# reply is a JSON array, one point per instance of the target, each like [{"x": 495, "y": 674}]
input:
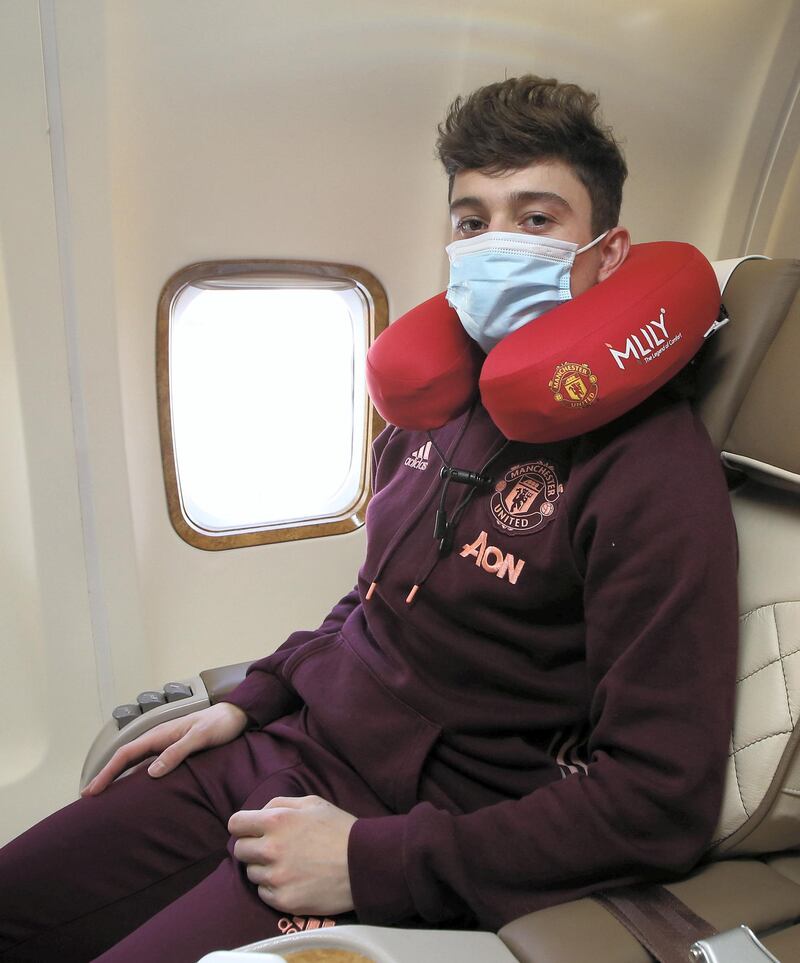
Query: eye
[
  {"x": 537, "y": 221},
  {"x": 470, "y": 225}
]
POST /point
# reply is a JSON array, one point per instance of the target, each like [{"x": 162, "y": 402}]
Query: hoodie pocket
[{"x": 382, "y": 738}]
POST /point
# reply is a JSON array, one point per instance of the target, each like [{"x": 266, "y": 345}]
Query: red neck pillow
[{"x": 575, "y": 368}]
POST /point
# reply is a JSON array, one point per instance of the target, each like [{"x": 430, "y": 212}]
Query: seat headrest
[{"x": 747, "y": 397}]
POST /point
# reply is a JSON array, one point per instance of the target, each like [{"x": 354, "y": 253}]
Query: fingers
[
  {"x": 174, "y": 754},
  {"x": 253, "y": 849},
  {"x": 123, "y": 759},
  {"x": 266, "y": 895},
  {"x": 294, "y": 851},
  {"x": 174, "y": 740},
  {"x": 292, "y": 802},
  {"x": 259, "y": 875},
  {"x": 247, "y": 822},
  {"x": 148, "y": 744},
  {"x": 252, "y": 822}
]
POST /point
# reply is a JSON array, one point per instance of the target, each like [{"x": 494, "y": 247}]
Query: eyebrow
[{"x": 515, "y": 197}]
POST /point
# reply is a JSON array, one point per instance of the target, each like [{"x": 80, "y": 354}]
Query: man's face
[{"x": 545, "y": 198}]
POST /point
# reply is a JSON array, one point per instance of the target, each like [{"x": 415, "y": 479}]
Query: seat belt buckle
[{"x": 740, "y": 945}]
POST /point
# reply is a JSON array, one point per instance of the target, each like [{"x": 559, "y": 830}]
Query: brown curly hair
[{"x": 516, "y": 122}]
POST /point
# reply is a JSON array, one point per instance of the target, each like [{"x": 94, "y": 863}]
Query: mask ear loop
[{"x": 591, "y": 244}]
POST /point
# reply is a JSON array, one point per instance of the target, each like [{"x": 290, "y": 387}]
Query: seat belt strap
[{"x": 662, "y": 923}]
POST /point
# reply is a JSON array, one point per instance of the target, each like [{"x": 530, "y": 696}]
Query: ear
[{"x": 613, "y": 250}]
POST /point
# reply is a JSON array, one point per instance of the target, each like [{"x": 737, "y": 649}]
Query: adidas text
[{"x": 419, "y": 459}]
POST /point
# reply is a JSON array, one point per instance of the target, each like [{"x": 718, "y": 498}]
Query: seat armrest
[
  {"x": 726, "y": 893},
  {"x": 223, "y": 680},
  {"x": 572, "y": 933}
]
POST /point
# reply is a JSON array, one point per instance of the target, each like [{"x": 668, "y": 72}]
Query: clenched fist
[{"x": 295, "y": 850}]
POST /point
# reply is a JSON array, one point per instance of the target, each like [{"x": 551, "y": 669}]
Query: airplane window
[{"x": 265, "y": 421}]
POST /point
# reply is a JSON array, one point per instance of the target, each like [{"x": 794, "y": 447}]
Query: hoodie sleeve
[{"x": 653, "y": 535}]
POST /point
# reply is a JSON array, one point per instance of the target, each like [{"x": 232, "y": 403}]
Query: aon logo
[{"x": 492, "y": 559}]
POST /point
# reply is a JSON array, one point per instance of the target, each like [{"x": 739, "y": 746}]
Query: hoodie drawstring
[
  {"x": 444, "y": 531},
  {"x": 404, "y": 527}
]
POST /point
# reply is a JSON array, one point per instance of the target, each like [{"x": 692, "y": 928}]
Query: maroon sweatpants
[{"x": 145, "y": 871}]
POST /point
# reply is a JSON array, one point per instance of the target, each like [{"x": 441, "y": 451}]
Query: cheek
[{"x": 584, "y": 273}]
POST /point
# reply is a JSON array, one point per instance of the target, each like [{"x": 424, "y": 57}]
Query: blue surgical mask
[{"x": 501, "y": 281}]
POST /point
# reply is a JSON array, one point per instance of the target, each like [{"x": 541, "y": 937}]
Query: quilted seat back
[{"x": 753, "y": 414}]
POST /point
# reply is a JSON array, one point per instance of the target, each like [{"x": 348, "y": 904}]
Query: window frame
[{"x": 374, "y": 297}]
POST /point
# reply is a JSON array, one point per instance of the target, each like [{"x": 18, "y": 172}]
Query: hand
[
  {"x": 174, "y": 740},
  {"x": 296, "y": 853}
]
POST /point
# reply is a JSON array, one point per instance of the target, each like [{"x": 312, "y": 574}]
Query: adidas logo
[{"x": 419, "y": 459}]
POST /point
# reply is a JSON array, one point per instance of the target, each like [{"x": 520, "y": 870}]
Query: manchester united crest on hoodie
[{"x": 524, "y": 500}]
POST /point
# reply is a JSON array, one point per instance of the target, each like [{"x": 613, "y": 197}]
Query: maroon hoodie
[{"x": 550, "y": 710}]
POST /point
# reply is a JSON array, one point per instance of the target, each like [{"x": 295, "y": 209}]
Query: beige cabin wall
[
  {"x": 50, "y": 705},
  {"x": 147, "y": 135},
  {"x": 23, "y": 734},
  {"x": 784, "y": 237},
  {"x": 769, "y": 141},
  {"x": 241, "y": 136}
]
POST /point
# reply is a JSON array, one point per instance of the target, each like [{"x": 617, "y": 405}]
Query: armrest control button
[
  {"x": 177, "y": 690},
  {"x": 150, "y": 699},
  {"x": 124, "y": 714}
]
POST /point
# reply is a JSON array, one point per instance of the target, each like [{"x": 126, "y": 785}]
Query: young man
[{"x": 469, "y": 736}]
